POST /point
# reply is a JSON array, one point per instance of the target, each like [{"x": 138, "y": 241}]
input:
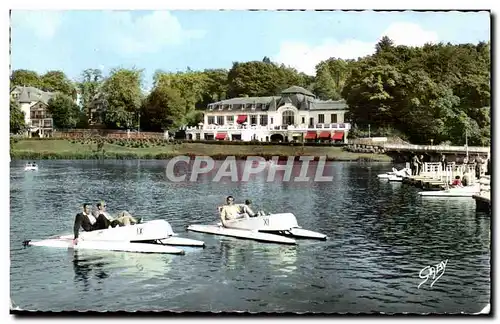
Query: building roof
[
  {"x": 273, "y": 103},
  {"x": 328, "y": 105},
  {"x": 297, "y": 89},
  {"x": 32, "y": 94}
]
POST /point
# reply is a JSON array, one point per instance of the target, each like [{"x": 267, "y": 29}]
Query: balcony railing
[
  {"x": 302, "y": 127},
  {"x": 41, "y": 123}
]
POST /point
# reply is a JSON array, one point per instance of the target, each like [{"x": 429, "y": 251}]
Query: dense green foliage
[
  {"x": 435, "y": 92},
  {"x": 123, "y": 96},
  {"x": 64, "y": 111},
  {"x": 17, "y": 123},
  {"x": 52, "y": 81}
]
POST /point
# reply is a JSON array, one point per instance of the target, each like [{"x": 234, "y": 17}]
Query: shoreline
[{"x": 62, "y": 149}]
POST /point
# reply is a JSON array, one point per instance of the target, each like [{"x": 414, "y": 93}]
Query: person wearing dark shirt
[
  {"x": 88, "y": 222},
  {"x": 443, "y": 162}
]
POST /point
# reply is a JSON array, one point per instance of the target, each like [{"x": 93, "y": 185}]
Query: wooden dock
[
  {"x": 425, "y": 182},
  {"x": 433, "y": 177},
  {"x": 483, "y": 199}
]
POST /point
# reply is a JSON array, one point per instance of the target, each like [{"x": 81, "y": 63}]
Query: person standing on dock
[
  {"x": 414, "y": 165},
  {"x": 443, "y": 162},
  {"x": 478, "y": 166},
  {"x": 420, "y": 164}
]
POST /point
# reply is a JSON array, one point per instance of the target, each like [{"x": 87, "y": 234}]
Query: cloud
[
  {"x": 43, "y": 24},
  {"x": 146, "y": 34},
  {"x": 410, "y": 34},
  {"x": 305, "y": 57}
]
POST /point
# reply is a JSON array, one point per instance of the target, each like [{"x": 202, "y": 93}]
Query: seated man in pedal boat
[
  {"x": 124, "y": 218},
  {"x": 230, "y": 211},
  {"x": 88, "y": 222},
  {"x": 247, "y": 209}
]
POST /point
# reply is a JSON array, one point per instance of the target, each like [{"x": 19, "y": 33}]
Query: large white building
[
  {"x": 34, "y": 102},
  {"x": 296, "y": 115}
]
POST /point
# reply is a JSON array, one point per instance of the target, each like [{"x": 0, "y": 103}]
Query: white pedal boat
[
  {"x": 395, "y": 178},
  {"x": 395, "y": 173},
  {"x": 272, "y": 228},
  {"x": 467, "y": 191},
  {"x": 154, "y": 236},
  {"x": 30, "y": 167}
]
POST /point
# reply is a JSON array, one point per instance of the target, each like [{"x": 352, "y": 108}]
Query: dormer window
[
  {"x": 253, "y": 107},
  {"x": 221, "y": 107},
  {"x": 243, "y": 107},
  {"x": 230, "y": 107},
  {"x": 210, "y": 107}
]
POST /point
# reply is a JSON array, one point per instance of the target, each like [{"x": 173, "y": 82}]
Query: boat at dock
[
  {"x": 155, "y": 236},
  {"x": 467, "y": 191},
  {"x": 273, "y": 228},
  {"x": 395, "y": 174}
]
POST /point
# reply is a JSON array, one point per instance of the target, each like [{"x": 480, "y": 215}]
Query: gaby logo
[{"x": 253, "y": 165}]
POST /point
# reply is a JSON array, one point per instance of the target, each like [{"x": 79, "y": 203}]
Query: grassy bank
[{"x": 88, "y": 149}]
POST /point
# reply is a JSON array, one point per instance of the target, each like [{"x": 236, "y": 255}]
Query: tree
[
  {"x": 65, "y": 112},
  {"x": 17, "y": 123},
  {"x": 430, "y": 92},
  {"x": 164, "y": 108},
  {"x": 385, "y": 44},
  {"x": 256, "y": 78},
  {"x": 56, "y": 81},
  {"x": 88, "y": 87},
  {"x": 123, "y": 97},
  {"x": 25, "y": 78},
  {"x": 330, "y": 79}
]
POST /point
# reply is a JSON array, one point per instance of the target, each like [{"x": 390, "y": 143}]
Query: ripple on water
[{"x": 381, "y": 235}]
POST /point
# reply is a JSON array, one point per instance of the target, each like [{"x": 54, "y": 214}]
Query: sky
[{"x": 73, "y": 41}]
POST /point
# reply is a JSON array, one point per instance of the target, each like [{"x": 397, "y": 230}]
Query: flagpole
[{"x": 466, "y": 145}]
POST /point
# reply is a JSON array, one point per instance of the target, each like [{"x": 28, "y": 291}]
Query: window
[
  {"x": 253, "y": 119},
  {"x": 230, "y": 107},
  {"x": 210, "y": 107},
  {"x": 288, "y": 118},
  {"x": 211, "y": 120},
  {"x": 303, "y": 120},
  {"x": 220, "y": 120},
  {"x": 272, "y": 120},
  {"x": 333, "y": 118},
  {"x": 221, "y": 107},
  {"x": 263, "y": 120},
  {"x": 230, "y": 119},
  {"x": 321, "y": 118}
]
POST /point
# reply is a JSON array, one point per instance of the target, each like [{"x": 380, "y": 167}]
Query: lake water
[{"x": 381, "y": 235}]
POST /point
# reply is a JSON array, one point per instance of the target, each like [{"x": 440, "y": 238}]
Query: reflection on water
[
  {"x": 103, "y": 264},
  {"x": 238, "y": 254},
  {"x": 87, "y": 268},
  {"x": 381, "y": 234}
]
